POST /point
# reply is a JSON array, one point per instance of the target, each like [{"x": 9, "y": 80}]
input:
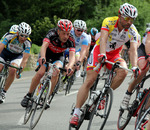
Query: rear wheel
[
  {"x": 99, "y": 117},
  {"x": 40, "y": 103}
]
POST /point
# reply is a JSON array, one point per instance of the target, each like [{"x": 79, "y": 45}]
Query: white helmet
[
  {"x": 14, "y": 28},
  {"x": 128, "y": 10},
  {"x": 79, "y": 24},
  {"x": 147, "y": 27},
  {"x": 24, "y": 28}
]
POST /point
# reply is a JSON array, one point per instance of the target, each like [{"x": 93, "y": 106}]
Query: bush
[{"x": 35, "y": 49}]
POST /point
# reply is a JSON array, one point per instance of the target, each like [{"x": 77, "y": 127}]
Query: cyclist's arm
[
  {"x": 2, "y": 46},
  {"x": 44, "y": 47},
  {"x": 103, "y": 41},
  {"x": 25, "y": 59},
  {"x": 71, "y": 59},
  {"x": 147, "y": 44},
  {"x": 133, "y": 53},
  {"x": 83, "y": 52}
]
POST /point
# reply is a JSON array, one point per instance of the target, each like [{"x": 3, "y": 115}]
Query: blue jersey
[
  {"x": 12, "y": 44},
  {"x": 79, "y": 41}
]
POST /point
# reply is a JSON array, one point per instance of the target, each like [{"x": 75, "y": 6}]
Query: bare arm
[
  {"x": 25, "y": 59},
  {"x": 83, "y": 52},
  {"x": 2, "y": 46},
  {"x": 133, "y": 53},
  {"x": 103, "y": 41},
  {"x": 71, "y": 59},
  {"x": 147, "y": 44}
]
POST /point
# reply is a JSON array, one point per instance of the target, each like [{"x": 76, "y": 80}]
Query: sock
[
  {"x": 128, "y": 93},
  {"x": 76, "y": 111}
]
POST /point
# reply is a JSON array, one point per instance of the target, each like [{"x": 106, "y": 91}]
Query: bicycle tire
[
  {"x": 69, "y": 84},
  {"x": 43, "y": 97},
  {"x": 142, "y": 110},
  {"x": 2, "y": 82},
  {"x": 141, "y": 124},
  {"x": 28, "y": 112},
  {"x": 94, "y": 122}
]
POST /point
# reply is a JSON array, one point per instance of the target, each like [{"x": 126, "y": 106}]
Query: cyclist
[
  {"x": 16, "y": 47},
  {"x": 93, "y": 33},
  {"x": 81, "y": 42},
  {"x": 13, "y": 28},
  {"x": 54, "y": 44},
  {"x": 143, "y": 59},
  {"x": 87, "y": 54},
  {"x": 115, "y": 32}
]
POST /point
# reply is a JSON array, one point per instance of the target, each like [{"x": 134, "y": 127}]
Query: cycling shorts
[
  {"x": 12, "y": 57},
  {"x": 93, "y": 59},
  {"x": 141, "y": 52}
]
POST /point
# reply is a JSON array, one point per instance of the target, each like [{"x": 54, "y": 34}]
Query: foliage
[
  {"x": 40, "y": 28},
  {"x": 43, "y": 15},
  {"x": 35, "y": 49}
]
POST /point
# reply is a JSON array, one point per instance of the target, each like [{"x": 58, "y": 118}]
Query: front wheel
[
  {"x": 99, "y": 116},
  {"x": 40, "y": 104}
]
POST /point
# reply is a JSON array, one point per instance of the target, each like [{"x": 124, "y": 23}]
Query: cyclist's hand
[
  {"x": 69, "y": 72},
  {"x": 78, "y": 65},
  {"x": 42, "y": 60},
  {"x": 136, "y": 71},
  {"x": 18, "y": 75},
  {"x": 101, "y": 58}
]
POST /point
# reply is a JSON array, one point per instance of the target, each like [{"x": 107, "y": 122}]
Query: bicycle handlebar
[{"x": 106, "y": 61}]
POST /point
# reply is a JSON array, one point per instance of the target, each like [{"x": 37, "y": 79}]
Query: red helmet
[{"x": 65, "y": 24}]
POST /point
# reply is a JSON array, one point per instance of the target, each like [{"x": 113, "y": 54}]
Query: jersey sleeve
[{"x": 105, "y": 25}]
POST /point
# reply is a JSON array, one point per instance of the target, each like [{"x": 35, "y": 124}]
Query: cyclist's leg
[
  {"x": 84, "y": 89},
  {"x": 55, "y": 76},
  {"x": 148, "y": 125},
  {"x": 120, "y": 73}
]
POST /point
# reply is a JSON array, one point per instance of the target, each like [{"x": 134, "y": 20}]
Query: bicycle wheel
[
  {"x": 141, "y": 124},
  {"x": 99, "y": 117},
  {"x": 143, "y": 109},
  {"x": 69, "y": 84},
  {"x": 2, "y": 82},
  {"x": 28, "y": 112},
  {"x": 40, "y": 103}
]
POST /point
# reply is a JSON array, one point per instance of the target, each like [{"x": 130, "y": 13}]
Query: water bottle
[{"x": 94, "y": 95}]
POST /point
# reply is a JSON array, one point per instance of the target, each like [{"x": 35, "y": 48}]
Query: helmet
[
  {"x": 64, "y": 24},
  {"x": 128, "y": 10},
  {"x": 94, "y": 31},
  {"x": 24, "y": 28},
  {"x": 14, "y": 28},
  {"x": 147, "y": 27},
  {"x": 79, "y": 24}
]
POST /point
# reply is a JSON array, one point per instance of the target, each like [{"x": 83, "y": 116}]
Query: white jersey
[
  {"x": 79, "y": 41},
  {"x": 144, "y": 38}
]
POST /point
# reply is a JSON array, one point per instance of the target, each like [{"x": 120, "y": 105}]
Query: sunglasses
[
  {"x": 21, "y": 35},
  {"x": 128, "y": 18},
  {"x": 79, "y": 30}
]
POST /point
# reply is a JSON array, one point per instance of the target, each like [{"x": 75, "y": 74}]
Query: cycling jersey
[
  {"x": 116, "y": 39},
  {"x": 144, "y": 37},
  {"x": 55, "y": 45},
  {"x": 79, "y": 41},
  {"x": 114, "y": 43},
  {"x": 141, "y": 49},
  {"x": 12, "y": 43}
]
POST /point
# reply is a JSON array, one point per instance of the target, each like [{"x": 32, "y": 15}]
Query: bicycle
[
  {"x": 37, "y": 104},
  {"x": 143, "y": 115},
  {"x": 92, "y": 112},
  {"x": 4, "y": 73},
  {"x": 134, "y": 105}
]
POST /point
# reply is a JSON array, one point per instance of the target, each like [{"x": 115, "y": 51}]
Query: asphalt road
[{"x": 57, "y": 117}]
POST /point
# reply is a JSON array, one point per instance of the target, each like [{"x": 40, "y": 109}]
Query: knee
[
  {"x": 122, "y": 74},
  {"x": 12, "y": 72},
  {"x": 40, "y": 74}
]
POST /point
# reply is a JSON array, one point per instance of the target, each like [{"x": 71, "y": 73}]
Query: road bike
[
  {"x": 5, "y": 72},
  {"x": 98, "y": 116},
  {"x": 143, "y": 115},
  {"x": 135, "y": 104},
  {"x": 37, "y": 104}
]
